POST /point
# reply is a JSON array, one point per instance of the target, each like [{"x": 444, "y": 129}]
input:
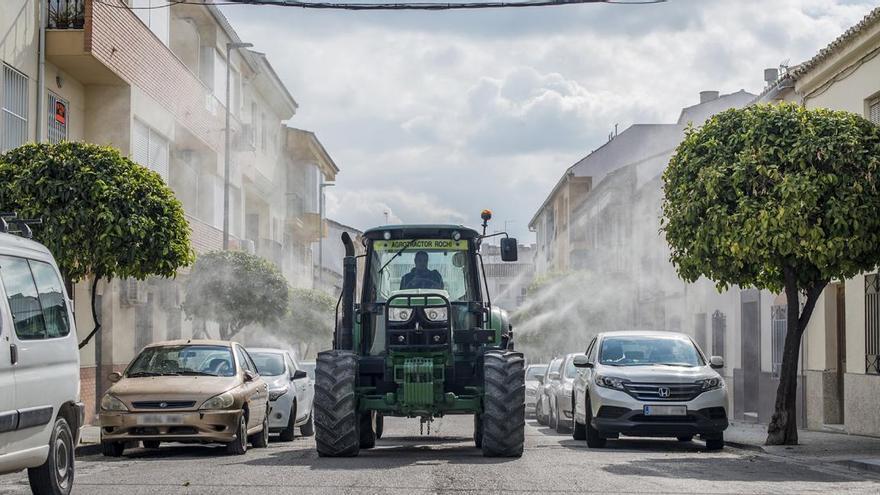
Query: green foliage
[
  {"x": 309, "y": 321},
  {"x": 766, "y": 188},
  {"x": 235, "y": 289},
  {"x": 103, "y": 214}
]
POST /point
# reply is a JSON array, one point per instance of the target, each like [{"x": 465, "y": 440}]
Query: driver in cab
[{"x": 421, "y": 277}]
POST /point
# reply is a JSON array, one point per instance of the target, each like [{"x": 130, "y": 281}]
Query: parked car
[
  {"x": 291, "y": 392},
  {"x": 200, "y": 391},
  {"x": 542, "y": 407},
  {"x": 649, "y": 384},
  {"x": 40, "y": 411},
  {"x": 534, "y": 381},
  {"x": 559, "y": 395}
]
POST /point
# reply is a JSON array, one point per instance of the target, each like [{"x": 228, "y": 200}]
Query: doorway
[{"x": 751, "y": 356}]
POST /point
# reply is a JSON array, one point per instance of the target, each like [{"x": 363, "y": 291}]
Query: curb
[
  {"x": 745, "y": 446},
  {"x": 855, "y": 464}
]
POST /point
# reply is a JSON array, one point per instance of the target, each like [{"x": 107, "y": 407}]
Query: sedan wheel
[
  {"x": 594, "y": 440},
  {"x": 238, "y": 446}
]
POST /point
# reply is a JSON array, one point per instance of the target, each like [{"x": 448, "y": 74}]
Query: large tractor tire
[
  {"x": 504, "y": 404},
  {"x": 337, "y": 429}
]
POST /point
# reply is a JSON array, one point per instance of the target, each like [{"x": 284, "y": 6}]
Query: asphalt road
[{"x": 405, "y": 462}]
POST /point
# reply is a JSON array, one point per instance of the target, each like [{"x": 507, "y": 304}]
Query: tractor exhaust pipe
[{"x": 344, "y": 333}]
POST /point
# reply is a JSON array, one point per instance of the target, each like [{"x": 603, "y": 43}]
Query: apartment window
[
  {"x": 874, "y": 110},
  {"x": 57, "y": 121},
  {"x": 719, "y": 332},
  {"x": 14, "y": 110},
  {"x": 778, "y": 322},
  {"x": 150, "y": 149},
  {"x": 872, "y": 324},
  {"x": 155, "y": 15}
]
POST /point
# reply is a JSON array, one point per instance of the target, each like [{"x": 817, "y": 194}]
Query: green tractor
[{"x": 423, "y": 341}]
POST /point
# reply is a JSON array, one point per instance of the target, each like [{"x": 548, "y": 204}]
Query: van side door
[{"x": 8, "y": 413}]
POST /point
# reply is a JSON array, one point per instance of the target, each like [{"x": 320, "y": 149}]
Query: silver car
[
  {"x": 542, "y": 405},
  {"x": 291, "y": 392},
  {"x": 533, "y": 386},
  {"x": 559, "y": 395}
]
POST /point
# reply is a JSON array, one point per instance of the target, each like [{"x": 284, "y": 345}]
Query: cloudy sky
[{"x": 434, "y": 116}]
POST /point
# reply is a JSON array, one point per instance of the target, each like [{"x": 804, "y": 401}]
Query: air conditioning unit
[{"x": 134, "y": 292}]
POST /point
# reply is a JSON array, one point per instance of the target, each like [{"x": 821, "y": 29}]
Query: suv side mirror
[
  {"x": 716, "y": 362},
  {"x": 554, "y": 375},
  {"x": 249, "y": 376},
  {"x": 508, "y": 249},
  {"x": 582, "y": 361},
  {"x": 299, "y": 374},
  {"x": 540, "y": 379},
  {"x": 114, "y": 377}
]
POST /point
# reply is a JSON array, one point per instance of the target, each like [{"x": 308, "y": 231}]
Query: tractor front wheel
[
  {"x": 337, "y": 429},
  {"x": 504, "y": 408}
]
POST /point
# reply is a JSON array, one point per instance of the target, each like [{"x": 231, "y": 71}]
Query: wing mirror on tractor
[{"x": 508, "y": 249}]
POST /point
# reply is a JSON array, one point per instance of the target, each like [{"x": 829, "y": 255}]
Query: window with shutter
[
  {"x": 874, "y": 111},
  {"x": 150, "y": 149},
  {"x": 14, "y": 110}
]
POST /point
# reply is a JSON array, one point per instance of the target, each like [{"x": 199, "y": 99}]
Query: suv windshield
[
  {"x": 422, "y": 264},
  {"x": 646, "y": 351},
  {"x": 534, "y": 372},
  {"x": 183, "y": 360},
  {"x": 268, "y": 363}
]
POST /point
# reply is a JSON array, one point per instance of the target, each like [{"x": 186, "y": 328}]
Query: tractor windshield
[{"x": 439, "y": 264}]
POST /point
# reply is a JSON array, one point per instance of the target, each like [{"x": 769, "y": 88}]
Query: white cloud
[{"x": 438, "y": 115}]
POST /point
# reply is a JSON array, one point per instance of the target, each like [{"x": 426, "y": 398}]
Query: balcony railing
[{"x": 66, "y": 14}]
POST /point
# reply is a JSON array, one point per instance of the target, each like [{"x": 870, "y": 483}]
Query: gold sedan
[{"x": 197, "y": 391}]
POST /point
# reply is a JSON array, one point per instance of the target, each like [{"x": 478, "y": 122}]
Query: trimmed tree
[
  {"x": 235, "y": 289},
  {"x": 103, "y": 214},
  {"x": 309, "y": 321},
  {"x": 781, "y": 198}
]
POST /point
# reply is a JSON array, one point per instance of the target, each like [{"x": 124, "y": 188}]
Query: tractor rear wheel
[
  {"x": 504, "y": 408},
  {"x": 337, "y": 429}
]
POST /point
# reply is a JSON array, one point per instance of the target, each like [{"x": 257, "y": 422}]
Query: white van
[{"x": 40, "y": 411}]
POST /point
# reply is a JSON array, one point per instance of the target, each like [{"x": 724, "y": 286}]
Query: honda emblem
[{"x": 663, "y": 392}]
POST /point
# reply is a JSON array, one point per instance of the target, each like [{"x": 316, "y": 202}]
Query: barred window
[
  {"x": 874, "y": 111},
  {"x": 872, "y": 324},
  {"x": 778, "y": 322},
  {"x": 57, "y": 122},
  {"x": 14, "y": 110}
]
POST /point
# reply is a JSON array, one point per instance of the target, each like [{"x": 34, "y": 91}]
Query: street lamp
[
  {"x": 321, "y": 232},
  {"x": 229, "y": 48}
]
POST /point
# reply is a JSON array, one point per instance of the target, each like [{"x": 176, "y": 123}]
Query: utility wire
[{"x": 389, "y": 5}]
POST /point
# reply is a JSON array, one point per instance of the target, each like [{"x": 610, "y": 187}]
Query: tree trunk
[
  {"x": 95, "y": 330},
  {"x": 783, "y": 424}
]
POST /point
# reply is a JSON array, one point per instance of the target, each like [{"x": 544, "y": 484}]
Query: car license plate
[
  {"x": 665, "y": 410},
  {"x": 160, "y": 419}
]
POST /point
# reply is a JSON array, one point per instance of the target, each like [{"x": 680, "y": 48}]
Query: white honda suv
[{"x": 648, "y": 384}]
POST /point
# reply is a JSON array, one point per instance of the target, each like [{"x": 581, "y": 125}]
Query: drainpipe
[{"x": 39, "y": 133}]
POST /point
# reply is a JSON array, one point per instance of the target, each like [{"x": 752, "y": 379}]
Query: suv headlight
[
  {"x": 399, "y": 314},
  {"x": 222, "y": 401},
  {"x": 275, "y": 393},
  {"x": 710, "y": 384},
  {"x": 436, "y": 314},
  {"x": 610, "y": 382},
  {"x": 110, "y": 403}
]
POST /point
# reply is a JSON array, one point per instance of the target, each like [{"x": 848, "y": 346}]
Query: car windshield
[
  {"x": 210, "y": 360},
  {"x": 268, "y": 363},
  {"x": 648, "y": 351},
  {"x": 570, "y": 370},
  {"x": 441, "y": 264},
  {"x": 535, "y": 371}
]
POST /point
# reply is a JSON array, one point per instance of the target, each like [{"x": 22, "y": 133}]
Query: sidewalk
[{"x": 852, "y": 451}]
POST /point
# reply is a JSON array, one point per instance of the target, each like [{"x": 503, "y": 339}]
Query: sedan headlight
[
  {"x": 610, "y": 382},
  {"x": 399, "y": 314},
  {"x": 710, "y": 384},
  {"x": 436, "y": 314},
  {"x": 222, "y": 401},
  {"x": 275, "y": 393},
  {"x": 110, "y": 403}
]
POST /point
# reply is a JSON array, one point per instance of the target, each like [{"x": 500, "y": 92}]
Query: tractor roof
[{"x": 425, "y": 230}]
